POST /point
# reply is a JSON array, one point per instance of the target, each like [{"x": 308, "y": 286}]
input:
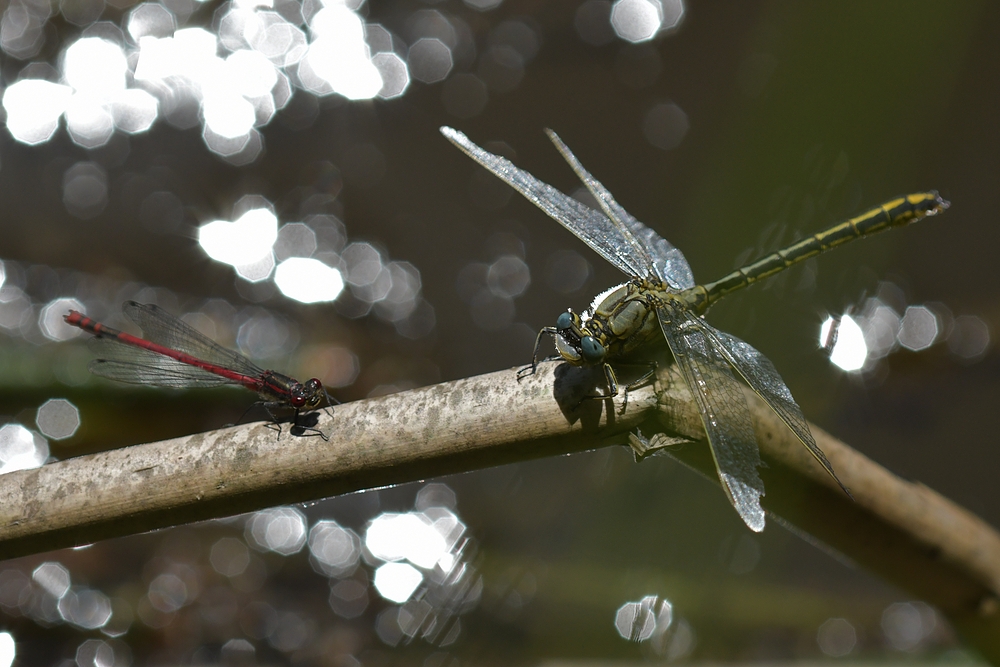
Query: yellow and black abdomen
[{"x": 894, "y": 213}]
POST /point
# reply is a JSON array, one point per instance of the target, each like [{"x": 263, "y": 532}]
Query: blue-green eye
[
  {"x": 564, "y": 321},
  {"x": 593, "y": 351}
]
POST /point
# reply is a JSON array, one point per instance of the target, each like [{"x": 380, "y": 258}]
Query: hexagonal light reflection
[
  {"x": 53, "y": 577},
  {"x": 99, "y": 653},
  {"x": 335, "y": 550},
  {"x": 51, "y": 323},
  {"x": 58, "y": 419},
  {"x": 652, "y": 620},
  {"x": 876, "y": 329},
  {"x": 430, "y": 60},
  {"x": 229, "y": 557},
  {"x": 636, "y": 20},
  {"x": 637, "y": 621},
  {"x": 918, "y": 329},
  {"x": 280, "y": 529},
  {"x": 641, "y": 20},
  {"x": 85, "y": 608}
]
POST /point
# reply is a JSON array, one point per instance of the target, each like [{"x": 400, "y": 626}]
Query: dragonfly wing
[
  {"x": 763, "y": 378},
  {"x": 127, "y": 363},
  {"x": 160, "y": 327},
  {"x": 590, "y": 226},
  {"x": 724, "y": 410},
  {"x": 669, "y": 262},
  {"x": 660, "y": 257}
]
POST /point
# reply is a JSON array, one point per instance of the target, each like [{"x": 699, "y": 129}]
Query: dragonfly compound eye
[
  {"x": 593, "y": 352},
  {"x": 564, "y": 321}
]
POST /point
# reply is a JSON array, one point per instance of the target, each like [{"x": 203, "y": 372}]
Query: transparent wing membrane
[
  {"x": 590, "y": 226},
  {"x": 724, "y": 410},
  {"x": 160, "y": 327},
  {"x": 136, "y": 365},
  {"x": 758, "y": 372},
  {"x": 661, "y": 258}
]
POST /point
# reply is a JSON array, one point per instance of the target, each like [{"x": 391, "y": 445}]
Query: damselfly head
[{"x": 307, "y": 396}]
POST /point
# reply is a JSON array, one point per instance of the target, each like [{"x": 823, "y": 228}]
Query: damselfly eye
[
  {"x": 593, "y": 351},
  {"x": 297, "y": 395},
  {"x": 313, "y": 393},
  {"x": 564, "y": 321}
]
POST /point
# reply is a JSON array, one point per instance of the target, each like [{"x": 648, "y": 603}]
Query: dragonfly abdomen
[{"x": 895, "y": 213}]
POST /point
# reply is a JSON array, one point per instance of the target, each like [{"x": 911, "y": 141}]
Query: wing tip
[{"x": 745, "y": 499}]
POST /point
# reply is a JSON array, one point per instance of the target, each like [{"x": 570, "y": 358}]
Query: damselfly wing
[{"x": 662, "y": 301}]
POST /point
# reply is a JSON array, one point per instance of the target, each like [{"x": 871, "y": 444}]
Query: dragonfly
[
  {"x": 175, "y": 354},
  {"x": 661, "y": 301}
]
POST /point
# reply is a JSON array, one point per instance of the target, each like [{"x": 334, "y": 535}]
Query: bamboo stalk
[{"x": 902, "y": 530}]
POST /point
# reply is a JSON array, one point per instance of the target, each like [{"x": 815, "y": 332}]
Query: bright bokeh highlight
[
  {"x": 394, "y": 537},
  {"x": 244, "y": 241},
  {"x": 8, "y": 650},
  {"x": 33, "y": 109},
  {"x": 21, "y": 449},
  {"x": 636, "y": 20},
  {"x": 849, "y": 350},
  {"x": 308, "y": 280},
  {"x": 396, "y": 582}
]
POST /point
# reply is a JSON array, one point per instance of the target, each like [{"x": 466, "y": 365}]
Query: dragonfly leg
[
  {"x": 612, "y": 382},
  {"x": 640, "y": 382},
  {"x": 530, "y": 370}
]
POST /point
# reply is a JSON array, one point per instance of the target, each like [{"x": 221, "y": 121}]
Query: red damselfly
[{"x": 174, "y": 354}]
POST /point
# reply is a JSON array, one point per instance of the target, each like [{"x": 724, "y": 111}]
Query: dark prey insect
[{"x": 661, "y": 301}]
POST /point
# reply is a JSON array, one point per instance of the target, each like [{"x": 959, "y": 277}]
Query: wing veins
[
  {"x": 590, "y": 226},
  {"x": 662, "y": 259},
  {"x": 160, "y": 327},
  {"x": 723, "y": 408},
  {"x": 127, "y": 363},
  {"x": 758, "y": 372}
]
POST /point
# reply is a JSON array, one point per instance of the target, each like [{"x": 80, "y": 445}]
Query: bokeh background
[{"x": 272, "y": 171}]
